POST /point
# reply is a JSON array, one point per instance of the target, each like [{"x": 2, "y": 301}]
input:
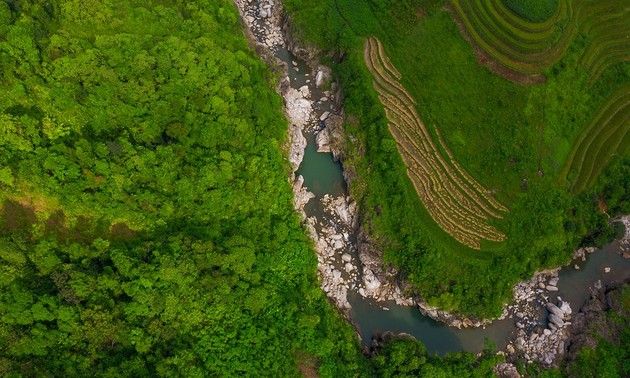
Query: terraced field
[
  {"x": 607, "y": 134},
  {"x": 519, "y": 45},
  {"x": 458, "y": 204},
  {"x": 608, "y": 22},
  {"x": 530, "y": 47}
]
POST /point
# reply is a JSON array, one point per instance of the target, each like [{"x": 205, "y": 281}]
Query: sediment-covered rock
[
  {"x": 593, "y": 321},
  {"x": 301, "y": 195},
  {"x": 323, "y": 141},
  {"x": 323, "y": 76},
  {"x": 625, "y": 240},
  {"x": 378, "y": 282},
  {"x": 297, "y": 145},
  {"x": 506, "y": 370},
  {"x": 552, "y": 308}
]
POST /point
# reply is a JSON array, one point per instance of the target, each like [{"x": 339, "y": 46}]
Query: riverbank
[
  {"x": 348, "y": 260},
  {"x": 314, "y": 109}
]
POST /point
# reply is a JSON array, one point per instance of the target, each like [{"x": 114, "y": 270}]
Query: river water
[{"x": 323, "y": 175}]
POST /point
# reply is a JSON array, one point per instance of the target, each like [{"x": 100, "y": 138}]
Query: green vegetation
[
  {"x": 512, "y": 138},
  {"x": 533, "y": 10},
  {"x": 133, "y": 238},
  {"x": 610, "y": 333},
  {"x": 605, "y": 136},
  {"x": 407, "y": 357},
  {"x": 455, "y": 201}
]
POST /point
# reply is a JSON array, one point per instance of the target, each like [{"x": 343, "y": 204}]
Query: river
[{"x": 324, "y": 176}]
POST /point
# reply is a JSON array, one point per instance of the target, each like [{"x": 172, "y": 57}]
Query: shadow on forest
[{"x": 20, "y": 218}]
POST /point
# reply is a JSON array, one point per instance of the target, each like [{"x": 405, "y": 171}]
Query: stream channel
[{"x": 324, "y": 176}]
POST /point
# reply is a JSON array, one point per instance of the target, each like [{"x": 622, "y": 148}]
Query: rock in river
[
  {"x": 555, "y": 319},
  {"x": 566, "y": 308},
  {"x": 323, "y": 141},
  {"x": 552, "y": 308}
]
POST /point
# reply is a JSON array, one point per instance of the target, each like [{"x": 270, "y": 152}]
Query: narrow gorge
[{"x": 536, "y": 326}]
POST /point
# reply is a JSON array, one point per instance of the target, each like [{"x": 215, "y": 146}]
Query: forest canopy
[{"x": 139, "y": 139}]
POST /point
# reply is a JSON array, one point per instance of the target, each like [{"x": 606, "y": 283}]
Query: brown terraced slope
[{"x": 457, "y": 203}]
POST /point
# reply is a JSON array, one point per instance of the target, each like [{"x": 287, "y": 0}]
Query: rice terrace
[
  {"x": 607, "y": 134},
  {"x": 524, "y": 42},
  {"x": 530, "y": 47},
  {"x": 458, "y": 203}
]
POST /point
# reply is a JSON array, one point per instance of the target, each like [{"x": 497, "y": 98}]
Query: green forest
[
  {"x": 512, "y": 131},
  {"x": 147, "y": 226},
  {"x": 133, "y": 237}
]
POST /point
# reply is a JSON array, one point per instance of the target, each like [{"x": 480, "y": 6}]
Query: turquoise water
[
  {"x": 371, "y": 318},
  {"x": 322, "y": 175}
]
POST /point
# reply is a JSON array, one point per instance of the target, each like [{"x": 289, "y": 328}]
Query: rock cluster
[
  {"x": 323, "y": 140},
  {"x": 592, "y": 322},
  {"x": 452, "y": 319},
  {"x": 331, "y": 234},
  {"x": 332, "y": 137},
  {"x": 580, "y": 254},
  {"x": 506, "y": 370},
  {"x": 301, "y": 195},
  {"x": 299, "y": 111},
  {"x": 533, "y": 341},
  {"x": 323, "y": 76},
  {"x": 378, "y": 282},
  {"x": 263, "y": 19}
]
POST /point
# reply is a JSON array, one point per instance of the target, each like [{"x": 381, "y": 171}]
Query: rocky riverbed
[
  {"x": 314, "y": 107},
  {"x": 347, "y": 258},
  {"x": 538, "y": 339}
]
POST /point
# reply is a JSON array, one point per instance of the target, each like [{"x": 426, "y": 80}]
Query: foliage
[
  {"x": 138, "y": 140},
  {"x": 407, "y": 357},
  {"x": 610, "y": 357}
]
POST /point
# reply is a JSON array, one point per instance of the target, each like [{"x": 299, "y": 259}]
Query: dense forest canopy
[{"x": 147, "y": 224}]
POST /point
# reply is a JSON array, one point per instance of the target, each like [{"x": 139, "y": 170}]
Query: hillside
[
  {"x": 147, "y": 225},
  {"x": 524, "y": 103},
  {"x": 133, "y": 241}
]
